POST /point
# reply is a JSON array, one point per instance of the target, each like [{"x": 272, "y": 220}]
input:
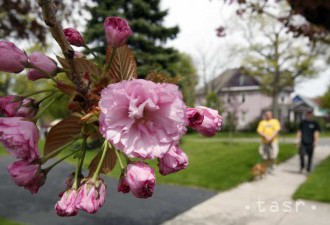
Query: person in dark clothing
[{"x": 307, "y": 138}]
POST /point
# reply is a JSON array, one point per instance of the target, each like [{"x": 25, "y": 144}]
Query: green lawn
[
  {"x": 8, "y": 222},
  {"x": 216, "y": 166},
  {"x": 317, "y": 185},
  {"x": 212, "y": 165}
]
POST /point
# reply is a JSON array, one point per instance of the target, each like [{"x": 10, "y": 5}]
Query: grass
[
  {"x": 317, "y": 184},
  {"x": 4, "y": 221},
  {"x": 212, "y": 165}
]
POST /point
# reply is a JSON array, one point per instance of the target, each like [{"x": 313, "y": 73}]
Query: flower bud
[
  {"x": 195, "y": 116},
  {"x": 173, "y": 161},
  {"x": 211, "y": 123},
  {"x": 27, "y": 175},
  {"x": 141, "y": 179},
  {"x": 66, "y": 206},
  {"x": 15, "y": 106},
  {"x": 91, "y": 196},
  {"x": 123, "y": 185},
  {"x": 73, "y": 37},
  {"x": 20, "y": 138},
  {"x": 117, "y": 31},
  {"x": 43, "y": 62},
  {"x": 12, "y": 59}
]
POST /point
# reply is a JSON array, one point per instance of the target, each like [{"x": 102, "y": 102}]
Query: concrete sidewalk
[{"x": 265, "y": 202}]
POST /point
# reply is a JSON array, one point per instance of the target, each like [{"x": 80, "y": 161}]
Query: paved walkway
[
  {"x": 119, "y": 209},
  {"x": 265, "y": 202}
]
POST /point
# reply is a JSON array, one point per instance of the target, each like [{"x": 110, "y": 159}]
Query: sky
[{"x": 198, "y": 20}]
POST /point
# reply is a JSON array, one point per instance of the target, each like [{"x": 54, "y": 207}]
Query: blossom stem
[
  {"x": 90, "y": 51},
  {"x": 119, "y": 159},
  {"x": 37, "y": 117},
  {"x": 38, "y": 92},
  {"x": 30, "y": 65},
  {"x": 82, "y": 156},
  {"x": 43, "y": 99},
  {"x": 108, "y": 66},
  {"x": 97, "y": 171},
  {"x": 80, "y": 161},
  {"x": 46, "y": 170},
  {"x": 45, "y": 158}
]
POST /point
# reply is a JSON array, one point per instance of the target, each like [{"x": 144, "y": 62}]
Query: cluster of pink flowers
[
  {"x": 20, "y": 138},
  {"x": 89, "y": 198},
  {"x": 141, "y": 119}
]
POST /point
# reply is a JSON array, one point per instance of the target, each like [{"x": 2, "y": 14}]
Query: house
[
  {"x": 301, "y": 104},
  {"x": 242, "y": 98}
]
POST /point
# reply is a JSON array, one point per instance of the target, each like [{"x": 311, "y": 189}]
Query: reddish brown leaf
[
  {"x": 109, "y": 162},
  {"x": 159, "y": 77},
  {"x": 123, "y": 66},
  {"x": 84, "y": 66},
  {"x": 63, "y": 62},
  {"x": 62, "y": 133}
]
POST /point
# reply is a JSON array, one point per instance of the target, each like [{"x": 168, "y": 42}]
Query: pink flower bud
[
  {"x": 20, "y": 138},
  {"x": 211, "y": 123},
  {"x": 195, "y": 116},
  {"x": 66, "y": 206},
  {"x": 44, "y": 63},
  {"x": 91, "y": 196},
  {"x": 15, "y": 106},
  {"x": 173, "y": 161},
  {"x": 12, "y": 59},
  {"x": 73, "y": 37},
  {"x": 27, "y": 175},
  {"x": 123, "y": 185},
  {"x": 141, "y": 179},
  {"x": 117, "y": 31},
  {"x": 36, "y": 183}
]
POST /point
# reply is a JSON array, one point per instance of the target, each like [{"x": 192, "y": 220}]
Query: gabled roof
[{"x": 231, "y": 78}]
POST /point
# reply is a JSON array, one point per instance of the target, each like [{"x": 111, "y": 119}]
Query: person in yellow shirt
[{"x": 268, "y": 130}]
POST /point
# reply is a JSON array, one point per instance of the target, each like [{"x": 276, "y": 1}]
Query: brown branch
[{"x": 49, "y": 14}]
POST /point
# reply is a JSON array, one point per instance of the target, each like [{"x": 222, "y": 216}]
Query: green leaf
[
  {"x": 108, "y": 164},
  {"x": 62, "y": 133},
  {"x": 123, "y": 66}
]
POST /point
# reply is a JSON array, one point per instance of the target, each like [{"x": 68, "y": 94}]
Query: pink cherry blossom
[
  {"x": 117, "y": 31},
  {"x": 66, "y": 206},
  {"x": 15, "y": 106},
  {"x": 44, "y": 63},
  {"x": 141, "y": 179},
  {"x": 20, "y": 138},
  {"x": 73, "y": 37},
  {"x": 91, "y": 196},
  {"x": 211, "y": 123},
  {"x": 173, "y": 161},
  {"x": 27, "y": 175},
  {"x": 195, "y": 116},
  {"x": 12, "y": 59},
  {"x": 142, "y": 118}
]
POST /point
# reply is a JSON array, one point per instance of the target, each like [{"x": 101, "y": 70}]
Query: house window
[
  {"x": 243, "y": 98},
  {"x": 243, "y": 116},
  {"x": 241, "y": 80}
]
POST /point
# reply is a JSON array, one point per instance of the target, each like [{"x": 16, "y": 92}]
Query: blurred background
[{"x": 240, "y": 57}]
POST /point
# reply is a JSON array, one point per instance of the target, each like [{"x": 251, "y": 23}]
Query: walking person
[
  {"x": 307, "y": 138},
  {"x": 268, "y": 130}
]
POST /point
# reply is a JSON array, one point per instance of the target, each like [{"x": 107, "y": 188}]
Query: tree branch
[{"x": 49, "y": 14}]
